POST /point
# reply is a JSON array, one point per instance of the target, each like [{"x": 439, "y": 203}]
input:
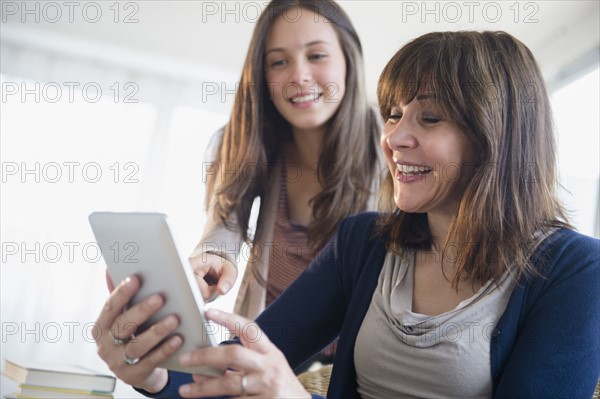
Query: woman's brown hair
[
  {"x": 251, "y": 142},
  {"x": 491, "y": 86}
]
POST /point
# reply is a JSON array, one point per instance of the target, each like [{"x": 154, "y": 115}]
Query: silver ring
[
  {"x": 117, "y": 341},
  {"x": 244, "y": 385},
  {"x": 128, "y": 360}
]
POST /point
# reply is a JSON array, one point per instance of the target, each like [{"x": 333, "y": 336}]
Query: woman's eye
[
  {"x": 394, "y": 117},
  {"x": 431, "y": 119}
]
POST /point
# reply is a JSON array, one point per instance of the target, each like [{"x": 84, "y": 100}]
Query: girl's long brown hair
[
  {"x": 490, "y": 85},
  {"x": 251, "y": 142}
]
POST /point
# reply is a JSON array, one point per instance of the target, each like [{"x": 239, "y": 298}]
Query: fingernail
[
  {"x": 184, "y": 389},
  {"x": 212, "y": 313},
  {"x": 170, "y": 321},
  {"x": 127, "y": 284},
  {"x": 175, "y": 341},
  {"x": 185, "y": 358},
  {"x": 154, "y": 300},
  {"x": 225, "y": 288}
]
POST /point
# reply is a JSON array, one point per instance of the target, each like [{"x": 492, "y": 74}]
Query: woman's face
[
  {"x": 428, "y": 157},
  {"x": 305, "y": 69}
]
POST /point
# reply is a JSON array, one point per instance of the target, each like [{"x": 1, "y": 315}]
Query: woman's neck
[{"x": 439, "y": 224}]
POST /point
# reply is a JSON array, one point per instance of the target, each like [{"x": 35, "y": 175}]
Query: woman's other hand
[{"x": 260, "y": 369}]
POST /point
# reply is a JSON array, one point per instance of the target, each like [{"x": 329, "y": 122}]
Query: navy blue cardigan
[{"x": 546, "y": 344}]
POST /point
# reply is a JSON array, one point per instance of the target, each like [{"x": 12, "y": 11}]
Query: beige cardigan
[{"x": 219, "y": 240}]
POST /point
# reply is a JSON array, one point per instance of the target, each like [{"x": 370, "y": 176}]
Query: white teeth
[
  {"x": 414, "y": 169},
  {"x": 302, "y": 99}
]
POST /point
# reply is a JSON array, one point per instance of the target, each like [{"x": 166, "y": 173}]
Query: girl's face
[
  {"x": 428, "y": 157},
  {"x": 305, "y": 69}
]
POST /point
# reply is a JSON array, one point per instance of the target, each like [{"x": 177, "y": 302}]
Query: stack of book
[{"x": 37, "y": 380}]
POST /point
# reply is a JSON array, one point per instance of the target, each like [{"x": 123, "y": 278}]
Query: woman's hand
[
  {"x": 132, "y": 358},
  {"x": 214, "y": 274},
  {"x": 260, "y": 368}
]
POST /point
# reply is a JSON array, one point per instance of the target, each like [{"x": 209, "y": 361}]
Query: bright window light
[
  {"x": 62, "y": 160},
  {"x": 575, "y": 109},
  {"x": 192, "y": 137}
]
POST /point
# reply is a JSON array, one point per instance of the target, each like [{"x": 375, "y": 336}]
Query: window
[
  {"x": 62, "y": 158},
  {"x": 576, "y": 115}
]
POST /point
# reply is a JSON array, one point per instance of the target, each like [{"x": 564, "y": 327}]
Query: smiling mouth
[
  {"x": 413, "y": 170},
  {"x": 306, "y": 98}
]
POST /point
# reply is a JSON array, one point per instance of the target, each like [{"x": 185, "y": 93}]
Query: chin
[
  {"x": 309, "y": 125},
  {"x": 409, "y": 208}
]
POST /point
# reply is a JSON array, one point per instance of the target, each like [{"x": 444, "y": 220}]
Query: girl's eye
[
  {"x": 277, "y": 63},
  {"x": 317, "y": 56}
]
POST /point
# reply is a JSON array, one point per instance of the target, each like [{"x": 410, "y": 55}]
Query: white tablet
[{"x": 141, "y": 244}]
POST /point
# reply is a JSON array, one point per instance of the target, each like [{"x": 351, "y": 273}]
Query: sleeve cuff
[{"x": 171, "y": 389}]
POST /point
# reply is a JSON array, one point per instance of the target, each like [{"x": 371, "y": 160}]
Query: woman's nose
[{"x": 401, "y": 136}]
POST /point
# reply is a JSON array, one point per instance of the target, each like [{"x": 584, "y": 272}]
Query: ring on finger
[
  {"x": 116, "y": 340},
  {"x": 244, "y": 385},
  {"x": 129, "y": 360}
]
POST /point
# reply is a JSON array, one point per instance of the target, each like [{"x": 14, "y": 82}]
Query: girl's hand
[
  {"x": 214, "y": 274},
  {"x": 132, "y": 358},
  {"x": 260, "y": 368}
]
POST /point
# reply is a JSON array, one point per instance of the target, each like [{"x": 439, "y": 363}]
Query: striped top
[{"x": 290, "y": 253}]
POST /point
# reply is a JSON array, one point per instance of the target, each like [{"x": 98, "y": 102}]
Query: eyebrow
[
  {"x": 426, "y": 96},
  {"x": 314, "y": 42},
  {"x": 420, "y": 98}
]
